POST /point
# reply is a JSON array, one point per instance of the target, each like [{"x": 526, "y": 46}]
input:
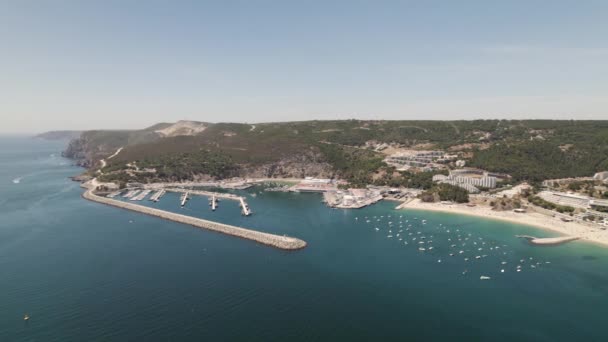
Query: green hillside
[{"x": 529, "y": 150}]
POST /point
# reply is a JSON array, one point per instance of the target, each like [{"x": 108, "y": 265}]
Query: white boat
[
  {"x": 484, "y": 278},
  {"x": 422, "y": 249}
]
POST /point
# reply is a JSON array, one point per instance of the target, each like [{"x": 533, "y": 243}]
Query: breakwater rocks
[
  {"x": 277, "y": 241},
  {"x": 548, "y": 241}
]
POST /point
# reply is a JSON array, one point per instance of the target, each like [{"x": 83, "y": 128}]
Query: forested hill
[{"x": 528, "y": 150}]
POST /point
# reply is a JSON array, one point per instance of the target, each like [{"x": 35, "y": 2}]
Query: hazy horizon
[{"x": 120, "y": 65}]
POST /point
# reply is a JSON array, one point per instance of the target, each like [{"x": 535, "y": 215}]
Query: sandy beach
[{"x": 583, "y": 231}]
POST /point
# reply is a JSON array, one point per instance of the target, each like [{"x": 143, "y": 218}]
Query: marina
[
  {"x": 141, "y": 195},
  {"x": 157, "y": 195},
  {"x": 214, "y": 198},
  {"x": 277, "y": 241}
]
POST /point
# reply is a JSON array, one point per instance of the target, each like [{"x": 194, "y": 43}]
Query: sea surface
[{"x": 87, "y": 272}]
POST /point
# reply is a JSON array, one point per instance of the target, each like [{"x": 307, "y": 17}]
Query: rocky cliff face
[{"x": 77, "y": 150}]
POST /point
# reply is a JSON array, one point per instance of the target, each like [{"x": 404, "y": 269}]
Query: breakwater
[
  {"x": 277, "y": 241},
  {"x": 548, "y": 241}
]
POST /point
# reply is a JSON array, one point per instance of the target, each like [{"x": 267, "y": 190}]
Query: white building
[{"x": 601, "y": 176}]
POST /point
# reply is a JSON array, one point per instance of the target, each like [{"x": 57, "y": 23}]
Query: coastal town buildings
[
  {"x": 424, "y": 160},
  {"x": 592, "y": 206},
  {"x": 471, "y": 179},
  {"x": 352, "y": 198}
]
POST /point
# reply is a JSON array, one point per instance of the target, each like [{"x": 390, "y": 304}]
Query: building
[
  {"x": 484, "y": 181},
  {"x": 601, "y": 176},
  {"x": 310, "y": 184},
  {"x": 470, "y": 179},
  {"x": 468, "y": 187},
  {"x": 420, "y": 159},
  {"x": 439, "y": 178}
]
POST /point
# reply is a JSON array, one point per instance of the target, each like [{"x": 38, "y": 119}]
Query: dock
[
  {"x": 277, "y": 241},
  {"x": 184, "y": 198},
  {"x": 548, "y": 241},
  {"x": 213, "y": 203},
  {"x": 157, "y": 195},
  {"x": 245, "y": 210},
  {"x": 206, "y": 193},
  {"x": 114, "y": 194},
  {"x": 141, "y": 195},
  {"x": 130, "y": 193},
  {"x": 244, "y": 207}
]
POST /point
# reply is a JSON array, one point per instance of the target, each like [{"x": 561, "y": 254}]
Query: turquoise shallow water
[{"x": 88, "y": 272}]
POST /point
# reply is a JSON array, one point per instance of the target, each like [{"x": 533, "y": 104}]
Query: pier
[
  {"x": 245, "y": 210},
  {"x": 141, "y": 195},
  {"x": 213, "y": 203},
  {"x": 114, "y": 194},
  {"x": 548, "y": 241},
  {"x": 277, "y": 241},
  {"x": 157, "y": 195},
  {"x": 130, "y": 193},
  {"x": 206, "y": 193},
  {"x": 244, "y": 207},
  {"x": 184, "y": 198}
]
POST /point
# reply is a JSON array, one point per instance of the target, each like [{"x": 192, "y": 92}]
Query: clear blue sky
[{"x": 129, "y": 64}]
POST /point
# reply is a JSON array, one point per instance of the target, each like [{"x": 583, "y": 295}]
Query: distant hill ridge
[{"x": 528, "y": 149}]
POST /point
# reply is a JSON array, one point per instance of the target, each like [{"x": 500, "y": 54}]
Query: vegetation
[
  {"x": 353, "y": 165},
  {"x": 531, "y": 150},
  {"x": 172, "y": 167},
  {"x": 445, "y": 192},
  {"x": 549, "y": 205},
  {"x": 419, "y": 180}
]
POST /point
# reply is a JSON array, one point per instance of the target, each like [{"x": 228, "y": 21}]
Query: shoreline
[{"x": 537, "y": 220}]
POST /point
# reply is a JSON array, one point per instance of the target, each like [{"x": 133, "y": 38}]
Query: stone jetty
[
  {"x": 277, "y": 241},
  {"x": 548, "y": 241}
]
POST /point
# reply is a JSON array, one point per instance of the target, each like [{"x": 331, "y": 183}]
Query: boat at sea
[{"x": 484, "y": 278}]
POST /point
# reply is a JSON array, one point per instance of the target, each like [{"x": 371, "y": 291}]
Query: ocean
[{"x": 83, "y": 271}]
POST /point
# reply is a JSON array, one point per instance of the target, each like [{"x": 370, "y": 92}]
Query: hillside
[{"x": 529, "y": 150}]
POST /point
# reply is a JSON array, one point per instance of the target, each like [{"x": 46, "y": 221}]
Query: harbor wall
[{"x": 277, "y": 241}]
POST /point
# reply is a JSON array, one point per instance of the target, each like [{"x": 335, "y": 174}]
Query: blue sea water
[{"x": 88, "y": 272}]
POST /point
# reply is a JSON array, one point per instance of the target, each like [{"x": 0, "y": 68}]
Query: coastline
[{"x": 585, "y": 233}]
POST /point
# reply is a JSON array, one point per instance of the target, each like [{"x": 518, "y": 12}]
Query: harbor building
[{"x": 310, "y": 184}]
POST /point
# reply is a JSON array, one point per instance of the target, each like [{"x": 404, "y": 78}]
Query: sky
[{"x": 129, "y": 64}]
